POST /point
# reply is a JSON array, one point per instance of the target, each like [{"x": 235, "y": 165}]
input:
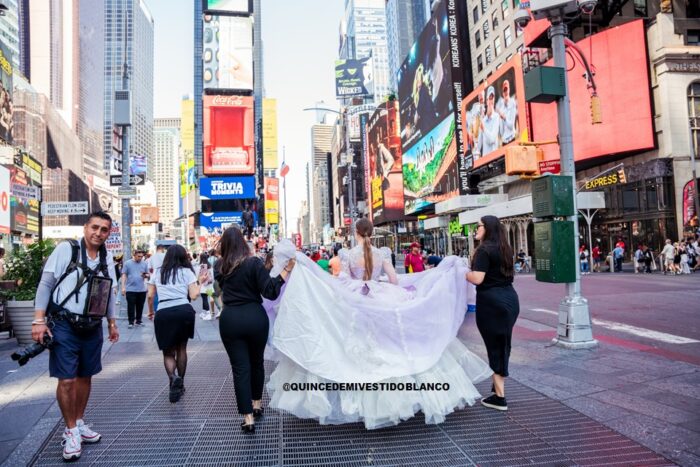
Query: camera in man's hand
[{"x": 27, "y": 353}]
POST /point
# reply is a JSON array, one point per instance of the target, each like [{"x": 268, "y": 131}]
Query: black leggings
[
  {"x": 497, "y": 310},
  {"x": 244, "y": 332},
  {"x": 205, "y": 302}
]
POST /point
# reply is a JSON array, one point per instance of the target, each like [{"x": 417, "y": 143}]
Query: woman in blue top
[{"x": 176, "y": 284}]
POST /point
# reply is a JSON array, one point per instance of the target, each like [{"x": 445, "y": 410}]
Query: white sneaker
[
  {"x": 71, "y": 444},
  {"x": 86, "y": 434},
  {"x": 206, "y": 317}
]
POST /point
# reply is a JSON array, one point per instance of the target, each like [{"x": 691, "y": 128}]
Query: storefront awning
[
  {"x": 460, "y": 203},
  {"x": 436, "y": 222},
  {"x": 523, "y": 205}
]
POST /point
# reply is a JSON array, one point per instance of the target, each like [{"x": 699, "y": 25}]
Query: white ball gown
[{"x": 348, "y": 330}]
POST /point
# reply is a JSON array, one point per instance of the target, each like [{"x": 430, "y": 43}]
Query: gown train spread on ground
[{"x": 346, "y": 330}]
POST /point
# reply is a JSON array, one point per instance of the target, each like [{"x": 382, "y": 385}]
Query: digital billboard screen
[
  {"x": 228, "y": 6},
  {"x": 430, "y": 87},
  {"x": 384, "y": 162},
  {"x": 227, "y": 187},
  {"x": 227, "y": 52},
  {"x": 622, "y": 80},
  {"x": 6, "y": 123},
  {"x": 269, "y": 133},
  {"x": 493, "y": 115},
  {"x": 229, "y": 143},
  {"x": 272, "y": 200},
  {"x": 425, "y": 95},
  {"x": 430, "y": 168},
  {"x": 354, "y": 77},
  {"x": 216, "y": 222}
]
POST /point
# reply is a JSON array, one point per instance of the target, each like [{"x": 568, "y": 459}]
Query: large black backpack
[{"x": 77, "y": 262}]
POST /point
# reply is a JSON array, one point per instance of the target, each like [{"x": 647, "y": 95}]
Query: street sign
[
  {"x": 553, "y": 167},
  {"x": 116, "y": 180},
  {"x": 127, "y": 192},
  {"x": 64, "y": 208}
]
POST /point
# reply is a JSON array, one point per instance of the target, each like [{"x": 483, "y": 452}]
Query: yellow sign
[
  {"x": 272, "y": 212},
  {"x": 187, "y": 125},
  {"x": 607, "y": 180},
  {"x": 269, "y": 133},
  {"x": 187, "y": 175}
]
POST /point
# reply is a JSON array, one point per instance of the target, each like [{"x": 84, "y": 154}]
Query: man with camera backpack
[{"x": 70, "y": 304}]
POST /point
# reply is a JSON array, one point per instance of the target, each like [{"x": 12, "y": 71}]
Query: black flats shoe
[
  {"x": 248, "y": 428},
  {"x": 257, "y": 413}
]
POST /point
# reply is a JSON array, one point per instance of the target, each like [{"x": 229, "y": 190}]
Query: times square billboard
[
  {"x": 383, "y": 161},
  {"x": 493, "y": 114},
  {"x": 241, "y": 7},
  {"x": 229, "y": 143},
  {"x": 430, "y": 87},
  {"x": 227, "y": 52}
]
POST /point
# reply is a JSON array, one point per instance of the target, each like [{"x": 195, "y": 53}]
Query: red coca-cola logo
[{"x": 233, "y": 101}]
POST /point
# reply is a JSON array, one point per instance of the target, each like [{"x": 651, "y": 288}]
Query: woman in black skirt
[
  {"x": 497, "y": 305},
  {"x": 175, "y": 284},
  {"x": 243, "y": 323}
]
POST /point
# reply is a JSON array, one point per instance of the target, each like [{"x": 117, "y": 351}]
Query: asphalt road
[{"x": 650, "y": 312}]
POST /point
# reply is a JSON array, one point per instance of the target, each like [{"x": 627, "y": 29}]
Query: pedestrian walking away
[
  {"x": 74, "y": 294},
  {"x": 497, "y": 305},
  {"x": 244, "y": 324},
  {"x": 176, "y": 284}
]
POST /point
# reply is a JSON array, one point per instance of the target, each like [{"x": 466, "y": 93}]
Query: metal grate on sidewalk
[{"x": 129, "y": 406}]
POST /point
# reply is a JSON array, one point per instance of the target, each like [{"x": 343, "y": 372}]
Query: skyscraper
[
  {"x": 139, "y": 56},
  {"x": 364, "y": 25},
  {"x": 321, "y": 136},
  {"x": 9, "y": 31},
  {"x": 91, "y": 92},
  {"x": 404, "y": 21},
  {"x": 166, "y": 135}
]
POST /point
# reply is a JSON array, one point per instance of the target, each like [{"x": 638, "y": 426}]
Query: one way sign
[{"x": 116, "y": 180}]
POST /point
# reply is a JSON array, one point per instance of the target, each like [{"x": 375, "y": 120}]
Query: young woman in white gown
[{"x": 360, "y": 329}]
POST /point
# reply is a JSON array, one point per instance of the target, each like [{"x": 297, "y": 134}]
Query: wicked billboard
[{"x": 386, "y": 195}]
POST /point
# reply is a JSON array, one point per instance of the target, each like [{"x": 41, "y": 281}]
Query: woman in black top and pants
[
  {"x": 497, "y": 305},
  {"x": 243, "y": 323}
]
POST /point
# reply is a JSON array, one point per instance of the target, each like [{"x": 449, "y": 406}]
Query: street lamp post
[
  {"x": 575, "y": 329},
  {"x": 350, "y": 155}
]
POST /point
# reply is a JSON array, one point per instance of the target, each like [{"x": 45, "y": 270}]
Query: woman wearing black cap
[{"x": 497, "y": 305}]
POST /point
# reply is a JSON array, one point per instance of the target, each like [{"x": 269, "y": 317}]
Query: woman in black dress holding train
[
  {"x": 497, "y": 305},
  {"x": 244, "y": 324}
]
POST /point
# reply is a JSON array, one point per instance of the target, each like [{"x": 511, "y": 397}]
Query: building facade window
[
  {"x": 694, "y": 111},
  {"x": 507, "y": 36},
  {"x": 518, "y": 31},
  {"x": 494, "y": 19},
  {"x": 475, "y": 14},
  {"x": 486, "y": 29},
  {"x": 489, "y": 55},
  {"x": 504, "y": 8},
  {"x": 693, "y": 37},
  {"x": 497, "y": 46},
  {"x": 479, "y": 63},
  {"x": 477, "y": 38}
]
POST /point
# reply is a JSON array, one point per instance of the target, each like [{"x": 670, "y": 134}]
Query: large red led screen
[
  {"x": 229, "y": 143},
  {"x": 619, "y": 59}
]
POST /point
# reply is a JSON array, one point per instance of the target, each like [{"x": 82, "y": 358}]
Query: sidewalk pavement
[{"x": 603, "y": 406}]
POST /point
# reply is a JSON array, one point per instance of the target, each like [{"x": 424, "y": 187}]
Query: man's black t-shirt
[{"x": 487, "y": 258}]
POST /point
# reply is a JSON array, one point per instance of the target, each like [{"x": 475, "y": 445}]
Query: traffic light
[{"x": 621, "y": 175}]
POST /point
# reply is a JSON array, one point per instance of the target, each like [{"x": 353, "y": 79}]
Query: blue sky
[{"x": 300, "y": 40}]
